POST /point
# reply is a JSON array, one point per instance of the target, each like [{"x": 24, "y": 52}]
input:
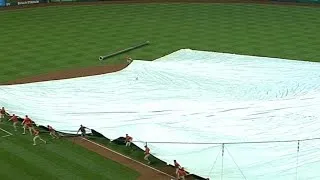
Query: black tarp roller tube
[{"x": 122, "y": 51}]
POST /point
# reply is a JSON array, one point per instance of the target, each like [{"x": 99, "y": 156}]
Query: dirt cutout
[{"x": 74, "y": 73}]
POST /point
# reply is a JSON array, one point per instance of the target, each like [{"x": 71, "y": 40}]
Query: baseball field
[{"x": 64, "y": 40}]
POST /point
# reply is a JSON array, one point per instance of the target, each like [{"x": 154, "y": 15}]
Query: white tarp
[{"x": 195, "y": 96}]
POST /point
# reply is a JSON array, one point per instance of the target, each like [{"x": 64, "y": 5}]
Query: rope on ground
[
  {"x": 222, "y": 162},
  {"x": 297, "y": 163},
  {"x": 214, "y": 163},
  {"x": 240, "y": 142},
  {"x": 236, "y": 164}
]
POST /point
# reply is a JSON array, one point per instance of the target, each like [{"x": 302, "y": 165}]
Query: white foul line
[
  {"x": 6, "y": 135},
  {"x": 9, "y": 134},
  {"x": 127, "y": 157}
]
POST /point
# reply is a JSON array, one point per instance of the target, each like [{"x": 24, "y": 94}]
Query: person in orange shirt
[
  {"x": 27, "y": 123},
  {"x": 37, "y": 136},
  {"x": 14, "y": 119},
  {"x": 182, "y": 173},
  {"x": 176, "y": 166},
  {"x": 2, "y": 113},
  {"x": 52, "y": 132},
  {"x": 128, "y": 140},
  {"x": 146, "y": 154}
]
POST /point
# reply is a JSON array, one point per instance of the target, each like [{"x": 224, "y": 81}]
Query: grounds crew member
[
  {"x": 27, "y": 123},
  {"x": 83, "y": 130},
  {"x": 37, "y": 136},
  {"x": 52, "y": 132},
  {"x": 147, "y": 154},
  {"x": 177, "y": 167},
  {"x": 2, "y": 113},
  {"x": 14, "y": 120},
  {"x": 128, "y": 140}
]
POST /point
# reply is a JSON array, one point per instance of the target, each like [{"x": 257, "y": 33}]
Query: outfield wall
[{"x": 22, "y": 2}]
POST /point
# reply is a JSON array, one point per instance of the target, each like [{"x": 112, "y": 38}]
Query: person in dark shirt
[{"x": 83, "y": 130}]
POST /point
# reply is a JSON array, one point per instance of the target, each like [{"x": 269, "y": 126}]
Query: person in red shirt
[
  {"x": 146, "y": 154},
  {"x": 37, "y": 136},
  {"x": 14, "y": 120},
  {"x": 176, "y": 166},
  {"x": 52, "y": 132},
  {"x": 2, "y": 113},
  {"x": 128, "y": 140},
  {"x": 27, "y": 123},
  {"x": 182, "y": 173}
]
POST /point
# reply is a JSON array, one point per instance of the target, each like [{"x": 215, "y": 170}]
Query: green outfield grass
[
  {"x": 58, "y": 159},
  {"x": 36, "y": 41}
]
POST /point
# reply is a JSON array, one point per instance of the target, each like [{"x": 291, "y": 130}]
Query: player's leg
[
  {"x": 24, "y": 129},
  {"x": 15, "y": 125},
  {"x": 34, "y": 140},
  {"x": 146, "y": 157},
  {"x": 51, "y": 134},
  {"x": 42, "y": 140},
  {"x": 177, "y": 174},
  {"x": 30, "y": 129},
  {"x": 55, "y": 134}
]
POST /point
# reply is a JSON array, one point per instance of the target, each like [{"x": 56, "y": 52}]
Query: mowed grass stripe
[
  {"x": 37, "y": 41},
  {"x": 11, "y": 171},
  {"x": 59, "y": 159},
  {"x": 2, "y": 132}
]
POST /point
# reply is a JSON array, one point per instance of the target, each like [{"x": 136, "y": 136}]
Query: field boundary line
[
  {"x": 127, "y": 157},
  {"x": 8, "y": 133}
]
